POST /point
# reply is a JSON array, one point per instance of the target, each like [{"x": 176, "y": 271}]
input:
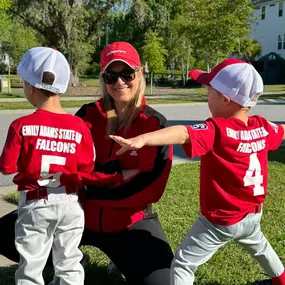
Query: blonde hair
[{"x": 132, "y": 108}]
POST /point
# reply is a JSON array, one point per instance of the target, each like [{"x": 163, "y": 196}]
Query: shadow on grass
[
  {"x": 94, "y": 275},
  {"x": 97, "y": 275},
  {"x": 278, "y": 155}
]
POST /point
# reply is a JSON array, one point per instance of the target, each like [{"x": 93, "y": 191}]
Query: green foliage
[
  {"x": 70, "y": 26},
  {"x": 213, "y": 26},
  {"x": 189, "y": 32},
  {"x": 5, "y": 21},
  {"x": 5, "y": 5},
  {"x": 247, "y": 49},
  {"x": 193, "y": 31},
  {"x": 20, "y": 40},
  {"x": 153, "y": 52},
  {"x": 15, "y": 38}
]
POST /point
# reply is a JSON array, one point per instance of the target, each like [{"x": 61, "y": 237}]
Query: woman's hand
[{"x": 128, "y": 144}]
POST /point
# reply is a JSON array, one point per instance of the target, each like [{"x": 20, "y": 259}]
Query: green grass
[
  {"x": 274, "y": 88},
  {"x": 78, "y": 103},
  {"x": 11, "y": 95},
  {"x": 273, "y": 96},
  {"x": 89, "y": 82},
  {"x": 12, "y": 197},
  {"x": 75, "y": 104},
  {"x": 179, "y": 208},
  {"x": 93, "y": 81}
]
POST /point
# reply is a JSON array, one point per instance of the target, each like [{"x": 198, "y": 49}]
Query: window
[
  {"x": 280, "y": 41},
  {"x": 262, "y": 12},
  {"x": 280, "y": 11}
]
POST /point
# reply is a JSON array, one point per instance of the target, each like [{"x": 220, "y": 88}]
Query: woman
[
  {"x": 118, "y": 218},
  {"x": 118, "y": 215}
]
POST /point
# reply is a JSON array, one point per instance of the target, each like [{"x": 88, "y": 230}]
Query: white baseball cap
[
  {"x": 234, "y": 78},
  {"x": 38, "y": 60}
]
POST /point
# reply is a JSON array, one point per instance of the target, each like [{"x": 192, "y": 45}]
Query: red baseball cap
[
  {"x": 234, "y": 78},
  {"x": 119, "y": 51}
]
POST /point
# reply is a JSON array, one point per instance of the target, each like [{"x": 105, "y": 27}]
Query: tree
[
  {"x": 71, "y": 26},
  {"x": 154, "y": 52},
  {"x": 247, "y": 49},
  {"x": 15, "y": 39},
  {"x": 180, "y": 48},
  {"x": 5, "y": 21},
  {"x": 20, "y": 40},
  {"x": 214, "y": 26}
]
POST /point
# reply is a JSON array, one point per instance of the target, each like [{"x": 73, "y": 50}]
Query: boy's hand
[{"x": 128, "y": 144}]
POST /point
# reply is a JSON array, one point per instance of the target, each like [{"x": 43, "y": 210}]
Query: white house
[
  {"x": 4, "y": 60},
  {"x": 269, "y": 30}
]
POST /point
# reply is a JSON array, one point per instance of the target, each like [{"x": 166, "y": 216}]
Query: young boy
[
  {"x": 45, "y": 149},
  {"x": 233, "y": 149}
]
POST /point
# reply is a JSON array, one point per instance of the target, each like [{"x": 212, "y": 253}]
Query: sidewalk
[{"x": 96, "y": 97}]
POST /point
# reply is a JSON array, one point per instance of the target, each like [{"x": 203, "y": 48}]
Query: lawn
[
  {"x": 178, "y": 209},
  {"x": 92, "y": 85},
  {"x": 77, "y": 104}
]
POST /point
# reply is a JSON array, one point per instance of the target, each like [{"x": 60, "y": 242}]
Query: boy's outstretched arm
[{"x": 167, "y": 136}]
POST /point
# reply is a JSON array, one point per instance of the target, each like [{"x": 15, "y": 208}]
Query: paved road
[
  {"x": 176, "y": 114},
  {"x": 90, "y": 98}
]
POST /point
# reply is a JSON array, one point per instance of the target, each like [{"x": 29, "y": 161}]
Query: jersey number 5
[
  {"x": 257, "y": 179},
  {"x": 46, "y": 179}
]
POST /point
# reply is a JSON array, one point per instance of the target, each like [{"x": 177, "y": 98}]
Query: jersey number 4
[
  {"x": 48, "y": 179},
  {"x": 257, "y": 179}
]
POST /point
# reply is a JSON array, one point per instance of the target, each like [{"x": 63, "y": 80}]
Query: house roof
[{"x": 258, "y": 2}]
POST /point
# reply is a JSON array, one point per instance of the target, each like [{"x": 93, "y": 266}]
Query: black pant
[{"x": 141, "y": 253}]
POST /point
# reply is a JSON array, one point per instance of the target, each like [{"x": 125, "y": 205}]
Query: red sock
[{"x": 279, "y": 280}]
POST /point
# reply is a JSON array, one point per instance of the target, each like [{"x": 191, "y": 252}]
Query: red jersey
[
  {"x": 42, "y": 146},
  {"x": 113, "y": 208},
  {"x": 234, "y": 165}
]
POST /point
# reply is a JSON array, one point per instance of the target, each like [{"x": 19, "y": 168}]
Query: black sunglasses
[{"x": 127, "y": 75}]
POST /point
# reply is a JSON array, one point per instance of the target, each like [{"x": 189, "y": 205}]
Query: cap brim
[
  {"x": 119, "y": 59},
  {"x": 200, "y": 76}
]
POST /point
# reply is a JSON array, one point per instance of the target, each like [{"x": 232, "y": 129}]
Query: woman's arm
[{"x": 148, "y": 184}]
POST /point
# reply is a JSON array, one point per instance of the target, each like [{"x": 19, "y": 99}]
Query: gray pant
[
  {"x": 205, "y": 238},
  {"x": 55, "y": 223}
]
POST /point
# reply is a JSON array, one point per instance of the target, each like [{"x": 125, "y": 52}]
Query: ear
[{"x": 227, "y": 100}]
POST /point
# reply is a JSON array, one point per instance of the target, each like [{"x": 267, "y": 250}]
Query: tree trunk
[
  {"x": 183, "y": 72},
  {"x": 151, "y": 79},
  {"x": 188, "y": 63},
  {"x": 73, "y": 78}
]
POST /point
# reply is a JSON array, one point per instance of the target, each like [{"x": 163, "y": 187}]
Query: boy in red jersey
[
  {"x": 233, "y": 176},
  {"x": 44, "y": 149}
]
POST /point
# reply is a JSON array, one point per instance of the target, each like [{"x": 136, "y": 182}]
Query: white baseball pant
[
  {"x": 55, "y": 223},
  {"x": 205, "y": 238}
]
